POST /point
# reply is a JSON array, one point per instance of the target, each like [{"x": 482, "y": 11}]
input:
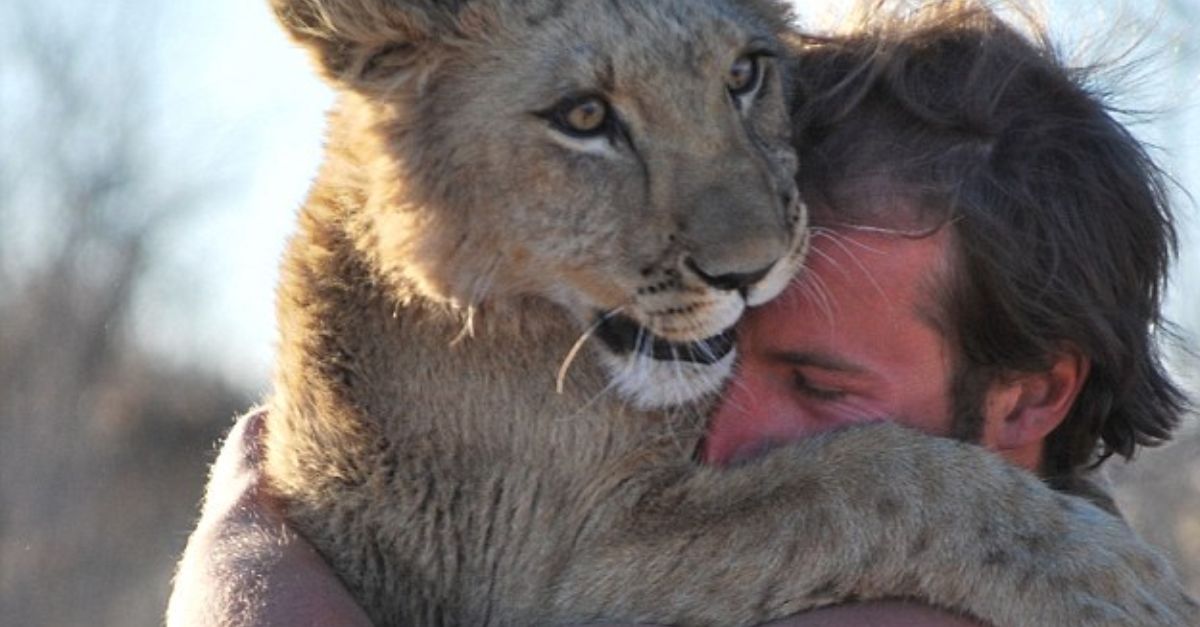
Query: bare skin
[{"x": 301, "y": 588}]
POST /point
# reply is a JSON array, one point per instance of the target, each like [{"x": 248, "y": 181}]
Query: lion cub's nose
[{"x": 740, "y": 281}]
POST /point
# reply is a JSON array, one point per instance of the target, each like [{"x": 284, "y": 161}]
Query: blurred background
[{"x": 152, "y": 157}]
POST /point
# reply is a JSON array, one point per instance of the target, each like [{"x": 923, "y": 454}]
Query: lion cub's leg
[{"x": 866, "y": 513}]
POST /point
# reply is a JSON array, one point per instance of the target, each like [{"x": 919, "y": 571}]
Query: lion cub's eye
[
  {"x": 744, "y": 76},
  {"x": 586, "y": 116}
]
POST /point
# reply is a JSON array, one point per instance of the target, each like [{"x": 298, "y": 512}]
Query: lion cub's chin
[{"x": 649, "y": 383}]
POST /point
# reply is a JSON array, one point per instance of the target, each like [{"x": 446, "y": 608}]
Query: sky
[{"x": 246, "y": 99}]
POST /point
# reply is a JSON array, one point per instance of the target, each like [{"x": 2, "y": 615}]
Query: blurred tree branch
[{"x": 86, "y": 421}]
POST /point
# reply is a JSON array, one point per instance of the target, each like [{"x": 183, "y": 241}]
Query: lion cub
[{"x": 515, "y": 187}]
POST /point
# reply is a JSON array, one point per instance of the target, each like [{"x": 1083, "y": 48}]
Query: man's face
[{"x": 854, "y": 339}]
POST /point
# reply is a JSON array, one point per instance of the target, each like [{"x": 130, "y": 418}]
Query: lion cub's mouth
[{"x": 622, "y": 336}]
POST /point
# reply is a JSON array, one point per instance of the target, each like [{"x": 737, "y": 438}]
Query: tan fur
[{"x": 453, "y": 250}]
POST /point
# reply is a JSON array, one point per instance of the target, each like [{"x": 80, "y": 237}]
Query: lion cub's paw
[{"x": 1107, "y": 576}]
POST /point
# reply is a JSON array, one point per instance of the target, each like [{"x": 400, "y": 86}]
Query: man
[
  {"x": 1015, "y": 236},
  {"x": 988, "y": 253},
  {"x": 987, "y": 263}
]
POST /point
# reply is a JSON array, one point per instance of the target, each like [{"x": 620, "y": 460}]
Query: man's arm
[{"x": 243, "y": 566}]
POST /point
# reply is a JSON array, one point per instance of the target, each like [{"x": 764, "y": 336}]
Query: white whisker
[
  {"x": 735, "y": 380},
  {"x": 468, "y": 329},
  {"x": 819, "y": 291},
  {"x": 700, "y": 347},
  {"x": 560, "y": 379},
  {"x": 880, "y": 230},
  {"x": 837, "y": 236},
  {"x": 480, "y": 286},
  {"x": 679, "y": 376},
  {"x": 583, "y": 407},
  {"x": 687, "y": 386},
  {"x": 840, "y": 242},
  {"x": 829, "y": 258}
]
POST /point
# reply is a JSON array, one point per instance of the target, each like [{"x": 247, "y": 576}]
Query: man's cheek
[
  {"x": 736, "y": 436},
  {"x": 825, "y": 415}
]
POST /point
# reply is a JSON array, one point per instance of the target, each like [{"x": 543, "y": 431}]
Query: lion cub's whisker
[
  {"x": 468, "y": 328},
  {"x": 560, "y": 380},
  {"x": 840, "y": 240},
  {"x": 575, "y": 415}
]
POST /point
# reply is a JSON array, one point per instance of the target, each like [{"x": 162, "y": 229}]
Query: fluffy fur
[{"x": 459, "y": 242}]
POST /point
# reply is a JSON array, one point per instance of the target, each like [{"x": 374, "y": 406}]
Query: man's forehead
[
  {"x": 876, "y": 267},
  {"x": 826, "y": 360}
]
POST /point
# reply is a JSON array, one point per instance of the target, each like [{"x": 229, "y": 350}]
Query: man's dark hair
[{"x": 1060, "y": 223}]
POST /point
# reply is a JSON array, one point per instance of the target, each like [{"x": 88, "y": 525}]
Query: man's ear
[
  {"x": 1021, "y": 409},
  {"x": 361, "y": 43}
]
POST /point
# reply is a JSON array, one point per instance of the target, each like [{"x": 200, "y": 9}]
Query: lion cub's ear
[{"x": 368, "y": 44}]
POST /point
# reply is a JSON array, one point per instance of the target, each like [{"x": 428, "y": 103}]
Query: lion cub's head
[{"x": 628, "y": 160}]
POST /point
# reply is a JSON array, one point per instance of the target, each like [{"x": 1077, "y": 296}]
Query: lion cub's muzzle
[
  {"x": 623, "y": 336},
  {"x": 737, "y": 245},
  {"x": 675, "y": 342}
]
